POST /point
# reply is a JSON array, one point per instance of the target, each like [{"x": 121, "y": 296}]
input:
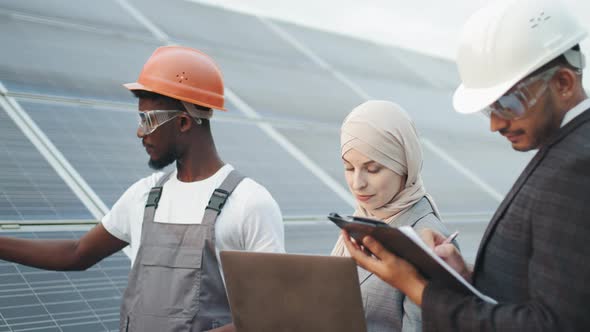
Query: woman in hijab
[{"x": 382, "y": 160}]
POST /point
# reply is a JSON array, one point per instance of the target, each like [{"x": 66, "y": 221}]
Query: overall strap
[
  {"x": 153, "y": 198},
  {"x": 156, "y": 191},
  {"x": 220, "y": 196}
]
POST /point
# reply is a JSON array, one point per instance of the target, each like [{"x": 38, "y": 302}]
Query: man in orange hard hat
[
  {"x": 176, "y": 223},
  {"x": 521, "y": 65}
]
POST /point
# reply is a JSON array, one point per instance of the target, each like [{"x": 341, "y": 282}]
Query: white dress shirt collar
[{"x": 577, "y": 110}]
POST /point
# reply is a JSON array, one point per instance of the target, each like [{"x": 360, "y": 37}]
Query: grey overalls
[{"x": 175, "y": 284}]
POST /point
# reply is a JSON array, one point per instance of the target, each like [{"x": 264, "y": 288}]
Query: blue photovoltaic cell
[
  {"x": 39, "y": 300},
  {"x": 30, "y": 189},
  {"x": 290, "y": 92},
  {"x": 53, "y": 60},
  {"x": 354, "y": 55},
  {"x": 296, "y": 189},
  {"x": 100, "y": 14},
  {"x": 220, "y": 32}
]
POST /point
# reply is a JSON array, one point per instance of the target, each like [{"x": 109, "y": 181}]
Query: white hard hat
[{"x": 503, "y": 43}]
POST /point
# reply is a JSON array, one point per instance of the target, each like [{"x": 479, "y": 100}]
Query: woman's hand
[
  {"x": 390, "y": 268},
  {"x": 447, "y": 251}
]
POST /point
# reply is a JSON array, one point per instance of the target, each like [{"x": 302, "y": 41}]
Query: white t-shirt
[{"x": 250, "y": 220}]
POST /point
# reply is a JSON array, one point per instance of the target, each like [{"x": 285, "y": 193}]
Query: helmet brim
[
  {"x": 138, "y": 86},
  {"x": 471, "y": 100}
]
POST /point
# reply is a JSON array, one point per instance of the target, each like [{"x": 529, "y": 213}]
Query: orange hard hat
[{"x": 182, "y": 73}]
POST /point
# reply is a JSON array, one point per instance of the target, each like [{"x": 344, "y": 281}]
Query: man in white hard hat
[
  {"x": 175, "y": 223},
  {"x": 521, "y": 65}
]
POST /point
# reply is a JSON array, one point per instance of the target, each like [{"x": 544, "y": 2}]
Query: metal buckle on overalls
[
  {"x": 154, "y": 197},
  {"x": 217, "y": 200}
]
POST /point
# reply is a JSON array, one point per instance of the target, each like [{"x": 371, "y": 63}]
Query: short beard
[
  {"x": 551, "y": 125},
  {"x": 548, "y": 127},
  {"x": 166, "y": 160}
]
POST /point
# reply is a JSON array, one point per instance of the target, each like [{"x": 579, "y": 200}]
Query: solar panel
[
  {"x": 106, "y": 14},
  {"x": 219, "y": 32},
  {"x": 39, "y": 300},
  {"x": 322, "y": 145},
  {"x": 29, "y": 187},
  {"x": 352, "y": 55},
  {"x": 297, "y": 190},
  {"x": 298, "y": 239},
  {"x": 440, "y": 72},
  {"x": 69, "y": 62},
  {"x": 289, "y": 91}
]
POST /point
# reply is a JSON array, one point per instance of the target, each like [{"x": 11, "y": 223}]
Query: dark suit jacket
[{"x": 534, "y": 257}]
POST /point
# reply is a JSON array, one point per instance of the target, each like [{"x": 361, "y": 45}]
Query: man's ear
[
  {"x": 185, "y": 123},
  {"x": 566, "y": 82}
]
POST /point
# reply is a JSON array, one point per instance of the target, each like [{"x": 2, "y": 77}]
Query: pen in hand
[{"x": 451, "y": 237}]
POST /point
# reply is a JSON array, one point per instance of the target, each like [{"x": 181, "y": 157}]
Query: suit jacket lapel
[{"x": 532, "y": 165}]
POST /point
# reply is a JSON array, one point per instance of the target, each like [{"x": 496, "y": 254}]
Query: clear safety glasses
[
  {"x": 151, "y": 120},
  {"x": 513, "y": 105}
]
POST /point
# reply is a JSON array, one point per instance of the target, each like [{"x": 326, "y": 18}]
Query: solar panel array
[
  {"x": 38, "y": 300},
  {"x": 29, "y": 187},
  {"x": 67, "y": 130}
]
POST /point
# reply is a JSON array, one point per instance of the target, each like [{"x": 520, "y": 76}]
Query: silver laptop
[{"x": 292, "y": 293}]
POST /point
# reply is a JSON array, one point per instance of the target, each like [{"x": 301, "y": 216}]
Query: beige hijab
[{"x": 384, "y": 132}]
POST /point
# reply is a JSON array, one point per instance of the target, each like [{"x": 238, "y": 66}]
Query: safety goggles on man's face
[
  {"x": 151, "y": 120},
  {"x": 513, "y": 105}
]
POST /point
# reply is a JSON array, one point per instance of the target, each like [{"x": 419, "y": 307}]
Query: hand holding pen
[{"x": 445, "y": 249}]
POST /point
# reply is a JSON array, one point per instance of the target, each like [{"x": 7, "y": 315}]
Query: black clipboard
[{"x": 405, "y": 243}]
